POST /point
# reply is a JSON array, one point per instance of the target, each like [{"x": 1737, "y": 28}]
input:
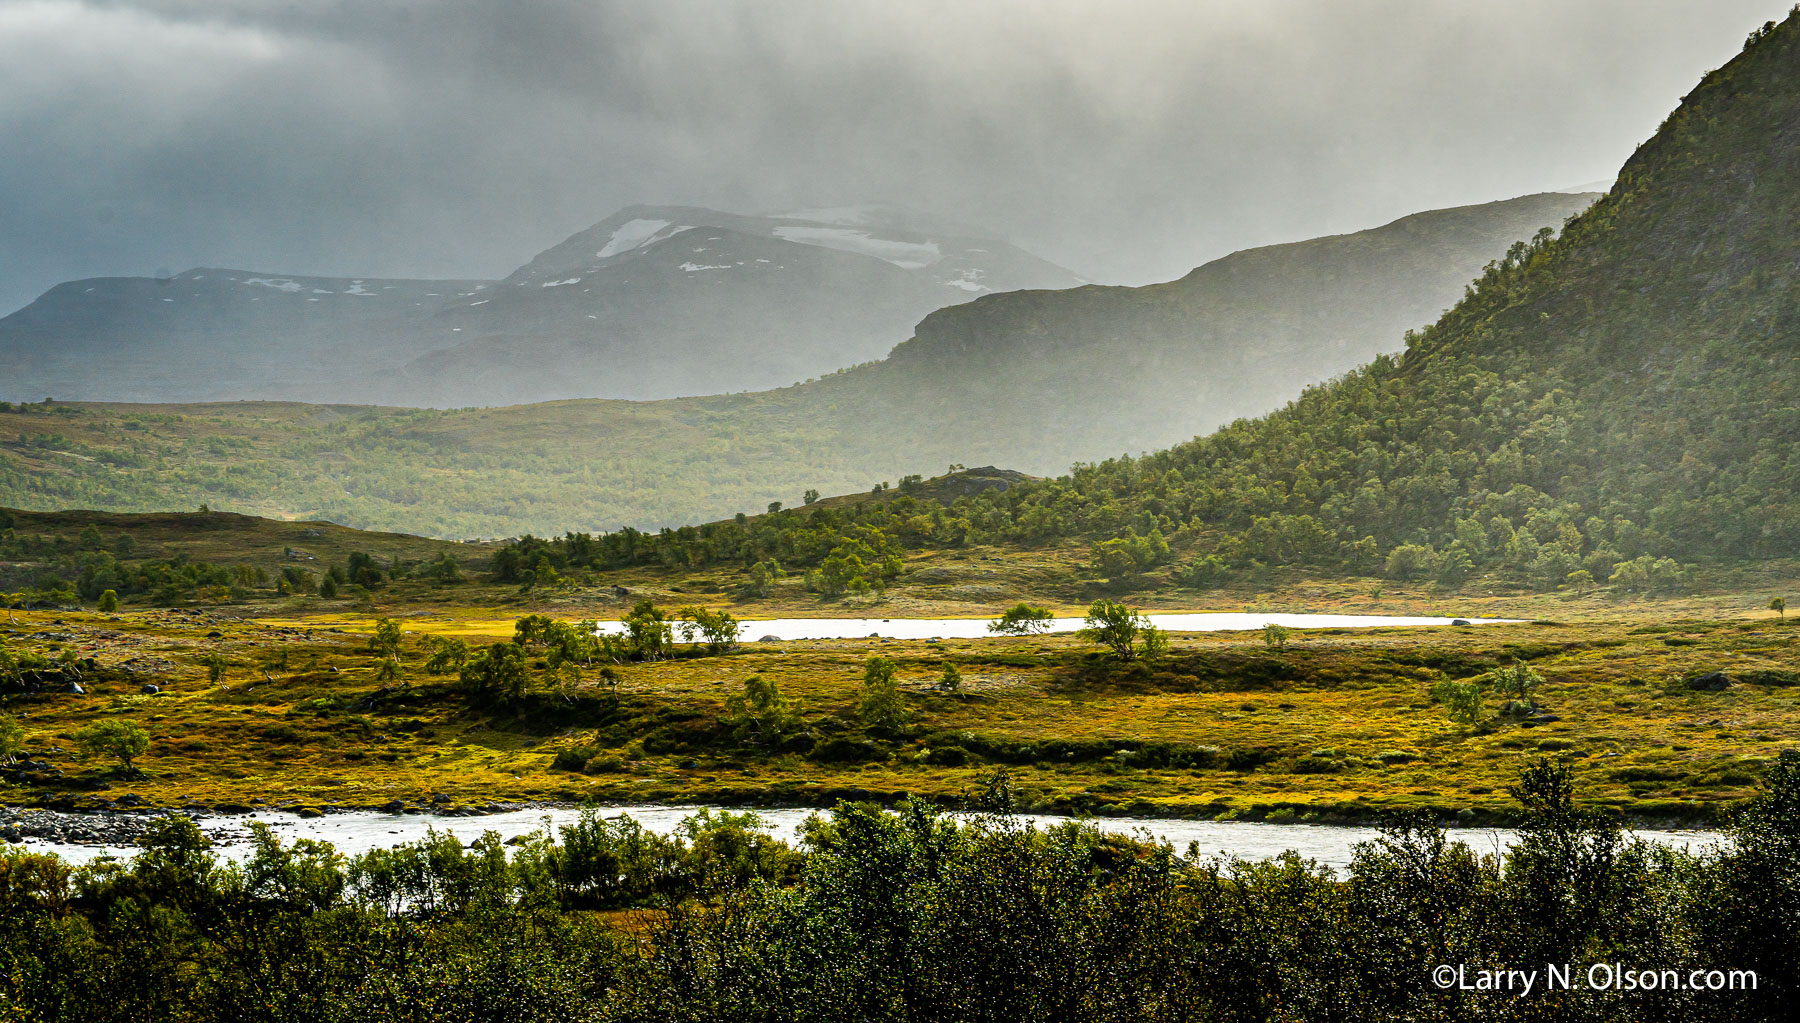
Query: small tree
[
  {"x": 448, "y": 654},
  {"x": 1153, "y": 642},
  {"x": 1275, "y": 636},
  {"x": 761, "y": 712},
  {"x": 882, "y": 707},
  {"x": 1115, "y": 626},
  {"x": 718, "y": 628},
  {"x": 763, "y": 575},
  {"x": 648, "y": 632},
  {"x": 215, "y": 668},
  {"x": 117, "y": 737},
  {"x": 1022, "y": 620},
  {"x": 1779, "y": 606},
  {"x": 951, "y": 680},
  {"x": 109, "y": 601},
  {"x": 1516, "y": 681},
  {"x": 12, "y": 739},
  {"x": 497, "y": 673},
  {"x": 386, "y": 640},
  {"x": 1462, "y": 701},
  {"x": 810, "y": 497}
]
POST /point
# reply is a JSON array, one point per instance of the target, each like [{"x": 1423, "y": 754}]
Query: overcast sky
[{"x": 1128, "y": 141}]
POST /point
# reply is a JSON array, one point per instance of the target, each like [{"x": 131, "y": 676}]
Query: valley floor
[{"x": 1335, "y": 725}]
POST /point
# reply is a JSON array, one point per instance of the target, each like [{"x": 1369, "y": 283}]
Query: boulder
[
  {"x": 1711, "y": 682},
  {"x": 73, "y": 689},
  {"x": 770, "y": 639},
  {"x": 395, "y": 806},
  {"x": 150, "y": 690},
  {"x": 1460, "y": 621},
  {"x": 1518, "y": 709}
]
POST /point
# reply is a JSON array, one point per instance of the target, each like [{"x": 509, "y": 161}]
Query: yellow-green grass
[{"x": 1641, "y": 740}]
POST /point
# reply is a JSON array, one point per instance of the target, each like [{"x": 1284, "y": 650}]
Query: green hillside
[
  {"x": 1033, "y": 380},
  {"x": 1618, "y": 404}
]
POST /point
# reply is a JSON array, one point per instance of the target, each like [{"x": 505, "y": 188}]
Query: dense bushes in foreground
[{"x": 910, "y": 915}]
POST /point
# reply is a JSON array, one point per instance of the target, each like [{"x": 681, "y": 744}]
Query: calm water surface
[{"x": 361, "y": 831}]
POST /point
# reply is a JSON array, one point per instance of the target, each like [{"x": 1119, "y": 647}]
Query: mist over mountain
[
  {"x": 1032, "y": 380},
  {"x": 661, "y": 301},
  {"x": 652, "y": 302}
]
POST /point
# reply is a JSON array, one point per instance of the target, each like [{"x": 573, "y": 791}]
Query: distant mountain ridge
[
  {"x": 651, "y": 302},
  {"x": 1030, "y": 380}
]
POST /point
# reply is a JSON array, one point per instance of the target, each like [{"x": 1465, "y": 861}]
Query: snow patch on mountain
[
  {"x": 905, "y": 255},
  {"x": 633, "y": 234},
  {"x": 278, "y": 283}
]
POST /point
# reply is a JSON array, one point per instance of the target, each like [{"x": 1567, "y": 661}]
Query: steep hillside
[
  {"x": 651, "y": 303},
  {"x": 1032, "y": 380},
  {"x": 1609, "y": 404}
]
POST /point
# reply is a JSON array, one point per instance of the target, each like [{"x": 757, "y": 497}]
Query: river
[{"x": 360, "y": 831}]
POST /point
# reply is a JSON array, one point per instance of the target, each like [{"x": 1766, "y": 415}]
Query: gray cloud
[{"x": 1126, "y": 140}]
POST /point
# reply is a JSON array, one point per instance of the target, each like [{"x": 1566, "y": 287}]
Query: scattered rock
[
  {"x": 1460, "y": 621},
  {"x": 309, "y": 812},
  {"x": 770, "y": 639},
  {"x": 1711, "y": 682},
  {"x": 1518, "y": 709},
  {"x": 440, "y": 797},
  {"x": 150, "y": 690},
  {"x": 73, "y": 689},
  {"x": 395, "y": 806}
]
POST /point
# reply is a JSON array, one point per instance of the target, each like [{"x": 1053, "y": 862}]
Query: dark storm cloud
[{"x": 1128, "y": 141}]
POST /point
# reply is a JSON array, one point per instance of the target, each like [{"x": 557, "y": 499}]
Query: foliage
[
  {"x": 115, "y": 737},
  {"x": 719, "y": 628},
  {"x": 882, "y": 708},
  {"x": 761, "y": 713},
  {"x": 1275, "y": 635},
  {"x": 385, "y": 641},
  {"x": 448, "y": 654},
  {"x": 1115, "y": 626},
  {"x": 12, "y": 739},
  {"x": 1022, "y": 620},
  {"x": 951, "y": 680},
  {"x": 1516, "y": 680},
  {"x": 1462, "y": 701},
  {"x": 496, "y": 674}
]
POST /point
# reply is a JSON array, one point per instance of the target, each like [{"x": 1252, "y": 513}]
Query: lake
[{"x": 977, "y": 628}]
